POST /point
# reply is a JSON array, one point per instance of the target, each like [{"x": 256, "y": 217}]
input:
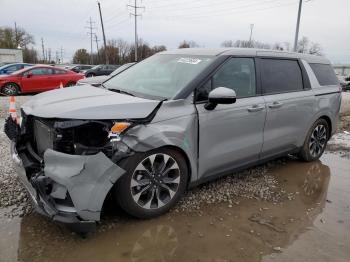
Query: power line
[
  {"x": 135, "y": 8},
  {"x": 214, "y": 10},
  {"x": 226, "y": 12},
  {"x": 91, "y": 33}
]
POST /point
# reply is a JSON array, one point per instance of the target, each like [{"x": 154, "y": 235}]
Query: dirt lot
[{"x": 284, "y": 210}]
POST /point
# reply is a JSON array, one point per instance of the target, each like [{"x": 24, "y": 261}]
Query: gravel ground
[
  {"x": 12, "y": 193},
  {"x": 253, "y": 183}
]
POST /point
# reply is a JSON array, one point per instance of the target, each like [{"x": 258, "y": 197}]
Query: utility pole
[
  {"x": 43, "y": 49},
  {"x": 90, "y": 27},
  {"x": 135, "y": 7},
  {"x": 98, "y": 52},
  {"x": 251, "y": 34},
  {"x": 61, "y": 50},
  {"x": 57, "y": 58},
  {"x": 103, "y": 33},
  {"x": 297, "y": 28},
  {"x": 49, "y": 55},
  {"x": 16, "y": 36}
]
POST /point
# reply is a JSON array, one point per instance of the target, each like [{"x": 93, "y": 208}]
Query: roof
[{"x": 248, "y": 52}]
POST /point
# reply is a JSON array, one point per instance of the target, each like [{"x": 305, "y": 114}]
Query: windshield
[
  {"x": 121, "y": 68},
  {"x": 160, "y": 76},
  {"x": 95, "y": 67}
]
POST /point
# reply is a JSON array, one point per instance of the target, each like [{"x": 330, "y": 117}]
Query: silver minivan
[{"x": 168, "y": 123}]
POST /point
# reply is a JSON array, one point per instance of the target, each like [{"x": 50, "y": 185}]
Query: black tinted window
[
  {"x": 279, "y": 76},
  {"x": 325, "y": 74}
]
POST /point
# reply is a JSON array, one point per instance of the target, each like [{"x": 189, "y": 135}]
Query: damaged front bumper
[{"x": 70, "y": 189}]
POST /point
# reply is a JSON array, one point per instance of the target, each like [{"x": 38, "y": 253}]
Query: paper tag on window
[{"x": 189, "y": 60}]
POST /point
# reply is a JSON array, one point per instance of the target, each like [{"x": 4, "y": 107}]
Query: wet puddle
[{"x": 313, "y": 224}]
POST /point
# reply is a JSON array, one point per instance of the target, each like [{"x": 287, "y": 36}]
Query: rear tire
[
  {"x": 147, "y": 190},
  {"x": 316, "y": 141},
  {"x": 10, "y": 89},
  {"x": 70, "y": 84}
]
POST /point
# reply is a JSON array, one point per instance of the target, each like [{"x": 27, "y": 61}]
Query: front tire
[
  {"x": 154, "y": 182},
  {"x": 10, "y": 89},
  {"x": 316, "y": 141}
]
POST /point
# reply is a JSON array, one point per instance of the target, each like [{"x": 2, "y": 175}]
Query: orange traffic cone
[
  {"x": 61, "y": 85},
  {"x": 12, "y": 109}
]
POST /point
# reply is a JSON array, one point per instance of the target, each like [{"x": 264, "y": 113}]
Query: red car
[{"x": 37, "y": 79}]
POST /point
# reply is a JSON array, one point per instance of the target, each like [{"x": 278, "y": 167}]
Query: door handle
[
  {"x": 255, "y": 108},
  {"x": 275, "y": 105}
]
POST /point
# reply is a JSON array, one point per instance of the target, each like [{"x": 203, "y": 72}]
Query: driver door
[
  {"x": 38, "y": 79},
  {"x": 231, "y": 135}
]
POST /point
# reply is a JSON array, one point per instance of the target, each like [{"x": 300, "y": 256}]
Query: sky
[{"x": 62, "y": 23}]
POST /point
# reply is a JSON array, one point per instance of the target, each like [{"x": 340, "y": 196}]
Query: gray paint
[
  {"x": 87, "y": 102},
  {"x": 88, "y": 179},
  {"x": 213, "y": 141},
  {"x": 230, "y": 135},
  {"x": 175, "y": 124}
]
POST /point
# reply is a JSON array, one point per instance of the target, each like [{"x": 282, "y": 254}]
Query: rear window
[
  {"x": 325, "y": 74},
  {"x": 280, "y": 76}
]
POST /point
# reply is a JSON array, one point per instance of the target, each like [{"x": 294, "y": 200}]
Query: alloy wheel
[
  {"x": 10, "y": 89},
  {"x": 155, "y": 181},
  {"x": 318, "y": 140}
]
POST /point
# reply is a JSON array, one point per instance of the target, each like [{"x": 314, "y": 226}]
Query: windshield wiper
[{"x": 119, "y": 91}]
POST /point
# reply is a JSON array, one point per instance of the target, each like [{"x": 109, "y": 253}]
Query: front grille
[{"x": 43, "y": 136}]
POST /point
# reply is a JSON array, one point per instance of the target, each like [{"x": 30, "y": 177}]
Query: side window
[
  {"x": 12, "y": 69},
  {"x": 237, "y": 74},
  {"x": 59, "y": 72},
  {"x": 41, "y": 71},
  {"x": 325, "y": 74},
  {"x": 280, "y": 76}
]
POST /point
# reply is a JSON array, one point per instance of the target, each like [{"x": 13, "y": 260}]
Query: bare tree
[
  {"x": 227, "y": 43},
  {"x": 315, "y": 49},
  {"x": 251, "y": 44},
  {"x": 188, "y": 44},
  {"x": 303, "y": 45}
]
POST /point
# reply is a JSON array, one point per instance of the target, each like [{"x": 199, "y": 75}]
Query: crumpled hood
[{"x": 88, "y": 102}]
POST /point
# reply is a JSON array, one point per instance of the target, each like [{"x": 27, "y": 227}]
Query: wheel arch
[
  {"x": 329, "y": 122},
  {"x": 187, "y": 159}
]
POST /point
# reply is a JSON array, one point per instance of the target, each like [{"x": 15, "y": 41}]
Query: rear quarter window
[{"x": 325, "y": 74}]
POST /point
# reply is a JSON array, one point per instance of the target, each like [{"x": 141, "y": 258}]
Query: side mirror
[
  {"x": 29, "y": 75},
  {"x": 220, "y": 95}
]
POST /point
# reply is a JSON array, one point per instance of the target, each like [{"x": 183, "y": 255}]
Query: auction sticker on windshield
[{"x": 189, "y": 60}]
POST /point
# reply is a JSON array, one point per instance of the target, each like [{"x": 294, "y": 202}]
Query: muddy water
[{"x": 313, "y": 224}]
